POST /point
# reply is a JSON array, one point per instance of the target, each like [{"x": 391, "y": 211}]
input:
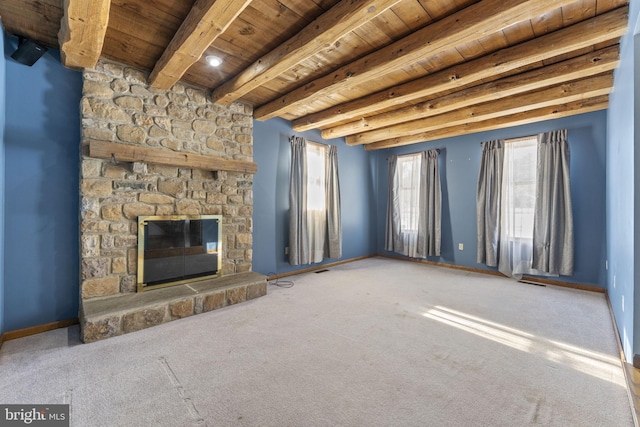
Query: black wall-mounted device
[{"x": 28, "y": 51}]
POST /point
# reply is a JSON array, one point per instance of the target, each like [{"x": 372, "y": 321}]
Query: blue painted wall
[
  {"x": 42, "y": 140},
  {"x": 621, "y": 193},
  {"x": 636, "y": 190},
  {"x": 2, "y": 120},
  {"x": 272, "y": 153},
  {"x": 459, "y": 166}
]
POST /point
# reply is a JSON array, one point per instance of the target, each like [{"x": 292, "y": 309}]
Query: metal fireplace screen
[{"x": 177, "y": 249}]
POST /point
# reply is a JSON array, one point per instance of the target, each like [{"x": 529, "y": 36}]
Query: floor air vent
[
  {"x": 527, "y": 282},
  {"x": 321, "y": 271}
]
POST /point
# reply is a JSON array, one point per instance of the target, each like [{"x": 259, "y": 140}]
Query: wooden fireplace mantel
[{"x": 136, "y": 153}]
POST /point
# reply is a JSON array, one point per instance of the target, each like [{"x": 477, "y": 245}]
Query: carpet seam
[{"x": 177, "y": 385}]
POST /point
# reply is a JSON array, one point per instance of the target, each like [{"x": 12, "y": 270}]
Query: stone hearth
[{"x": 108, "y": 317}]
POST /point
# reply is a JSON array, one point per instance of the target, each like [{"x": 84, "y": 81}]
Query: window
[
  {"x": 525, "y": 222},
  {"x": 413, "y": 205},
  {"x": 518, "y": 206},
  {"x": 316, "y": 214},
  {"x": 316, "y": 155},
  {"x": 408, "y": 178},
  {"x": 519, "y": 187}
]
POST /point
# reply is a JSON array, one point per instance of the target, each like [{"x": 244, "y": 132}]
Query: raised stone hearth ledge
[{"x": 108, "y": 317}]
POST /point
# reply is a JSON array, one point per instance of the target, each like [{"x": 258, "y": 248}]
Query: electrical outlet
[
  {"x": 286, "y": 250},
  {"x": 606, "y": 264},
  {"x": 461, "y": 246}
]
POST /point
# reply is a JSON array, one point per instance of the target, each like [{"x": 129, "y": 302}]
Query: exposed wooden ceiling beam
[
  {"x": 36, "y": 20},
  {"x": 471, "y": 23},
  {"x": 559, "y": 94},
  {"x": 82, "y": 30},
  {"x": 573, "y": 69},
  {"x": 314, "y": 38},
  {"x": 532, "y": 116},
  {"x": 600, "y": 29},
  {"x": 204, "y": 23}
]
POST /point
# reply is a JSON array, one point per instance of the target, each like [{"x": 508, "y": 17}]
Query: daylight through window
[
  {"x": 316, "y": 177},
  {"x": 519, "y": 186},
  {"x": 408, "y": 175}
]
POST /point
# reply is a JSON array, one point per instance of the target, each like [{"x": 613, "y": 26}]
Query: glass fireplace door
[{"x": 175, "y": 249}]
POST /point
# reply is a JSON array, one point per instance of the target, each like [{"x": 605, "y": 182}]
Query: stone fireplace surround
[{"x": 118, "y": 106}]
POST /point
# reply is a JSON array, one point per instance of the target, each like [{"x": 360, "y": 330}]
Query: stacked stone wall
[{"x": 119, "y": 106}]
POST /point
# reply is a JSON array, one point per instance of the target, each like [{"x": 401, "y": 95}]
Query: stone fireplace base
[{"x": 111, "y": 316}]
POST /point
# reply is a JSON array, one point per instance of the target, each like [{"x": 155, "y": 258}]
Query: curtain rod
[
  {"x": 309, "y": 141},
  {"x": 522, "y": 138},
  {"x": 410, "y": 154}
]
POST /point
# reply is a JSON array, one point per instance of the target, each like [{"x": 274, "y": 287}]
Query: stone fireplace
[{"x": 120, "y": 109}]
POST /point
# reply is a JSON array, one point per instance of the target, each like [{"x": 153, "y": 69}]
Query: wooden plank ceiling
[{"x": 381, "y": 73}]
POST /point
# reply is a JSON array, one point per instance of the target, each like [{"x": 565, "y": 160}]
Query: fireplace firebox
[{"x": 177, "y": 249}]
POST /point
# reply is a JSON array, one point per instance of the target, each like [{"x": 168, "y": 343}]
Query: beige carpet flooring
[{"x": 378, "y": 342}]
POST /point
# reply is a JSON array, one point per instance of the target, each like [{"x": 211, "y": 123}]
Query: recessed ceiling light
[{"x": 213, "y": 60}]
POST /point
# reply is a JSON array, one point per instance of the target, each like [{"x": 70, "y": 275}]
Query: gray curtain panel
[
  {"x": 332, "y": 192},
  {"x": 298, "y": 235},
  {"x": 488, "y": 197},
  {"x": 553, "y": 216},
  {"x": 392, "y": 237},
  {"x": 429, "y": 223}
]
